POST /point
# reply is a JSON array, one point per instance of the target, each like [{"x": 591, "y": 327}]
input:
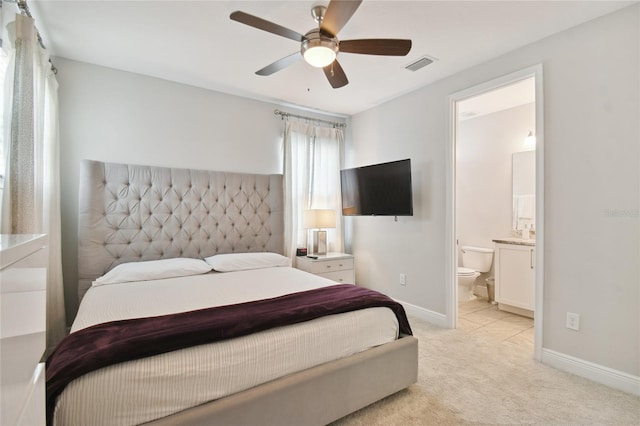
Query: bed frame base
[{"x": 316, "y": 396}]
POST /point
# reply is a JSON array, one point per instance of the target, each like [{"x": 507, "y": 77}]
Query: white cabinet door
[
  {"x": 515, "y": 276},
  {"x": 23, "y": 284}
]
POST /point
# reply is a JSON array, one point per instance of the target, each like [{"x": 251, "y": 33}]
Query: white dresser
[
  {"x": 335, "y": 266},
  {"x": 23, "y": 281}
]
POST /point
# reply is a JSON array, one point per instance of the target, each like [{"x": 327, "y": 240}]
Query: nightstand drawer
[
  {"x": 330, "y": 266},
  {"x": 334, "y": 266},
  {"x": 345, "y": 277}
]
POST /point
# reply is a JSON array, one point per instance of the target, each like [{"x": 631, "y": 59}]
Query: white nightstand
[{"x": 335, "y": 266}]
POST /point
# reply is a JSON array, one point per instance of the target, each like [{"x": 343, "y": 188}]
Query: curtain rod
[
  {"x": 24, "y": 10},
  {"x": 285, "y": 115}
]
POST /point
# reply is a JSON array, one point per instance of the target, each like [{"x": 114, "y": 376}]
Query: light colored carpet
[{"x": 466, "y": 379}]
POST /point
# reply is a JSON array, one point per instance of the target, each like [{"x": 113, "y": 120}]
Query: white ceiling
[
  {"x": 195, "y": 42},
  {"x": 510, "y": 96}
]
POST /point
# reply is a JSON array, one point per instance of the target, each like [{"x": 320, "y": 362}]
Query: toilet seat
[{"x": 462, "y": 271}]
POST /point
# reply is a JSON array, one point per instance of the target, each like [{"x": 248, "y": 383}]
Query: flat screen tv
[{"x": 377, "y": 190}]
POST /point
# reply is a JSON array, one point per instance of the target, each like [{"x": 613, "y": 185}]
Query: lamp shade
[{"x": 319, "y": 218}]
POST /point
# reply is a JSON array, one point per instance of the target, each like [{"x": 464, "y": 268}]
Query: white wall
[
  {"x": 116, "y": 116},
  {"x": 592, "y": 187},
  {"x": 484, "y": 147}
]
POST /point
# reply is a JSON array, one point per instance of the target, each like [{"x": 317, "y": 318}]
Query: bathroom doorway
[{"x": 491, "y": 125}]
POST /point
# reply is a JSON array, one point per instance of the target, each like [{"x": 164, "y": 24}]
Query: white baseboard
[
  {"x": 432, "y": 317},
  {"x": 589, "y": 370}
]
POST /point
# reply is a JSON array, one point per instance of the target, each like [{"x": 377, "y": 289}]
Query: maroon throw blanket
[{"x": 110, "y": 343}]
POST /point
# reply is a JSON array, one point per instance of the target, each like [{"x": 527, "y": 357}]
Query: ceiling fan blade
[
  {"x": 279, "y": 64},
  {"x": 376, "y": 46},
  {"x": 335, "y": 74},
  {"x": 261, "y": 24},
  {"x": 338, "y": 14}
]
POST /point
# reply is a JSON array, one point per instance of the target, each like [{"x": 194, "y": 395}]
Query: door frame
[{"x": 450, "y": 222}]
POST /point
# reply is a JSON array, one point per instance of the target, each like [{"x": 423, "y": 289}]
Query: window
[{"x": 312, "y": 180}]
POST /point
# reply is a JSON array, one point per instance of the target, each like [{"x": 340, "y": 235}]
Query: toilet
[{"x": 475, "y": 260}]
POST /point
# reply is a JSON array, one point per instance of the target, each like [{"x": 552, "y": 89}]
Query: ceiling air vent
[{"x": 420, "y": 63}]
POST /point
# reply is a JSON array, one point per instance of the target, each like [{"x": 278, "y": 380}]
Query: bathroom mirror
[{"x": 524, "y": 190}]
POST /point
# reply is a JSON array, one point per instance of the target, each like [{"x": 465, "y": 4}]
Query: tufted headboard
[{"x": 130, "y": 213}]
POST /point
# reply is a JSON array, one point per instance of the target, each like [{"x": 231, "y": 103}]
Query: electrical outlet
[
  {"x": 403, "y": 279},
  {"x": 573, "y": 321}
]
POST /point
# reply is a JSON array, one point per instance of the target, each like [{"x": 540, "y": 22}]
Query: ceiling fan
[{"x": 320, "y": 46}]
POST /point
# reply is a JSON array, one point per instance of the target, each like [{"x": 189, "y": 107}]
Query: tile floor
[{"x": 484, "y": 319}]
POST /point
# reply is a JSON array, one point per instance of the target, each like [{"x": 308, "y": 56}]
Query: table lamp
[{"x": 317, "y": 219}]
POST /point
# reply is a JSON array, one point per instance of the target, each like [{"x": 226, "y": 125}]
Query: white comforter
[{"x": 142, "y": 390}]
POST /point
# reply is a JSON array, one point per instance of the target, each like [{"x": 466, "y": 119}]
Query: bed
[{"x": 310, "y": 372}]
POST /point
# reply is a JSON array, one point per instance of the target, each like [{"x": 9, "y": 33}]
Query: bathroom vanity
[
  {"x": 515, "y": 257},
  {"x": 515, "y": 275}
]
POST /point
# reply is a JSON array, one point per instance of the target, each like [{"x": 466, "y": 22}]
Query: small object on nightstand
[
  {"x": 312, "y": 257},
  {"x": 301, "y": 251}
]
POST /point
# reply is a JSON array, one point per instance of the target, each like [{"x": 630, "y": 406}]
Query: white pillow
[
  {"x": 153, "y": 270},
  {"x": 241, "y": 261}
]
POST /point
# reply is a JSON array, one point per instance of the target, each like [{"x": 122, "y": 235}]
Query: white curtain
[
  {"x": 312, "y": 159},
  {"x": 31, "y": 195}
]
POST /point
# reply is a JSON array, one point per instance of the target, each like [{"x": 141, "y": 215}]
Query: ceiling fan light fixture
[
  {"x": 318, "y": 50},
  {"x": 319, "y": 56}
]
